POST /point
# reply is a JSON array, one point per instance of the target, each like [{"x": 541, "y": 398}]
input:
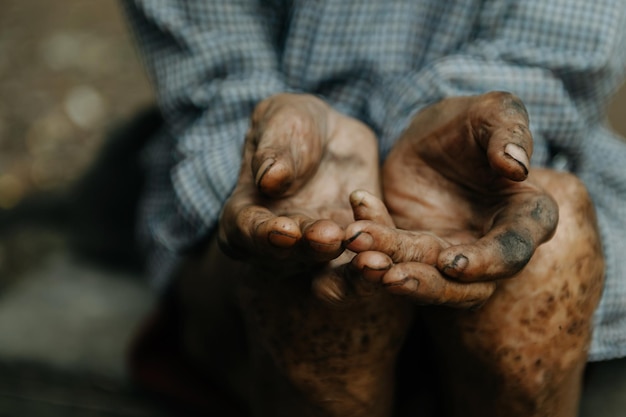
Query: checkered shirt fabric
[{"x": 380, "y": 61}]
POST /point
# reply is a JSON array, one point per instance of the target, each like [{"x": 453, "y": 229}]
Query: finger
[
  {"x": 274, "y": 171},
  {"x": 372, "y": 265},
  {"x": 342, "y": 286},
  {"x": 322, "y": 239},
  {"x": 517, "y": 231},
  {"x": 424, "y": 284},
  {"x": 251, "y": 229},
  {"x": 366, "y": 206},
  {"x": 288, "y": 151},
  {"x": 399, "y": 245},
  {"x": 503, "y": 123},
  {"x": 507, "y": 152}
]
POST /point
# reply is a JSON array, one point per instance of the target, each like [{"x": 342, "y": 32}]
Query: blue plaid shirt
[{"x": 380, "y": 61}]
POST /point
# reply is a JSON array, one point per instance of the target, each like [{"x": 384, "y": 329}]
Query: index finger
[{"x": 424, "y": 284}]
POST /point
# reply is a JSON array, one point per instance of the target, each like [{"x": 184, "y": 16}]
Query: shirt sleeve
[
  {"x": 564, "y": 58},
  {"x": 210, "y": 63}
]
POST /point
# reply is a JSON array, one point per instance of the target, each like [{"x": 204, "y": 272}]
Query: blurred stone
[
  {"x": 98, "y": 56},
  {"x": 84, "y": 106},
  {"x": 48, "y": 173},
  {"x": 85, "y": 52},
  {"x": 61, "y": 51},
  {"x": 11, "y": 191},
  {"x": 48, "y": 132}
]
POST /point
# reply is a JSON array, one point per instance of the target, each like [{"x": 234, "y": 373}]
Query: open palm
[{"x": 461, "y": 171}]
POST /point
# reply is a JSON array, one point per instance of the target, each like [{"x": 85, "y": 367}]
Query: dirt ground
[{"x": 68, "y": 73}]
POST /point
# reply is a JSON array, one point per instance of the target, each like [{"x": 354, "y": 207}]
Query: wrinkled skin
[
  {"x": 291, "y": 201},
  {"x": 454, "y": 174},
  {"x": 320, "y": 341},
  {"x": 321, "y": 328},
  {"x": 459, "y": 172}
]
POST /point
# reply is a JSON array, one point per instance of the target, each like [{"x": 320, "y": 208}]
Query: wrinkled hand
[
  {"x": 290, "y": 205},
  {"x": 460, "y": 172}
]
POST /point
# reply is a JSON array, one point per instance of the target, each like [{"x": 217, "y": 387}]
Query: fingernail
[
  {"x": 325, "y": 247},
  {"x": 263, "y": 169},
  {"x": 380, "y": 268},
  {"x": 352, "y": 239},
  {"x": 374, "y": 275},
  {"x": 281, "y": 240},
  {"x": 519, "y": 154},
  {"x": 458, "y": 264},
  {"x": 360, "y": 242}
]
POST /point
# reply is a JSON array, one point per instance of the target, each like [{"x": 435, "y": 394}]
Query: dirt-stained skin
[
  {"x": 334, "y": 361},
  {"x": 462, "y": 225},
  {"x": 528, "y": 344}
]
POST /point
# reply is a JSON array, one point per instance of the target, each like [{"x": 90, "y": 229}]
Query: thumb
[{"x": 288, "y": 145}]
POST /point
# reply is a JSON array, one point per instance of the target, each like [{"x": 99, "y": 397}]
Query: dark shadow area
[{"x": 98, "y": 213}]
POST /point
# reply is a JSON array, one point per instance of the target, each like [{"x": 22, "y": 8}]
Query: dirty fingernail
[
  {"x": 458, "y": 264},
  {"x": 361, "y": 241},
  {"x": 265, "y": 166},
  {"x": 352, "y": 239},
  {"x": 282, "y": 240},
  {"x": 519, "y": 154}
]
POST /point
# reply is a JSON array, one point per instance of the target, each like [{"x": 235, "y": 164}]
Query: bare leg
[
  {"x": 311, "y": 359},
  {"x": 282, "y": 350},
  {"x": 317, "y": 342},
  {"x": 461, "y": 170},
  {"x": 315, "y": 358},
  {"x": 523, "y": 353},
  {"x": 212, "y": 326}
]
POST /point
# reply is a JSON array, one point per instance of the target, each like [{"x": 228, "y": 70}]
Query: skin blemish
[
  {"x": 518, "y": 106},
  {"x": 545, "y": 213},
  {"x": 516, "y": 251},
  {"x": 458, "y": 265},
  {"x": 537, "y": 212}
]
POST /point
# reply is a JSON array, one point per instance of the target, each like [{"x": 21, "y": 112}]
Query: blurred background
[{"x": 69, "y": 79}]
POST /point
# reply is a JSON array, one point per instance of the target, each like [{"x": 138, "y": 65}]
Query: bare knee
[
  {"x": 570, "y": 194},
  {"x": 528, "y": 344}
]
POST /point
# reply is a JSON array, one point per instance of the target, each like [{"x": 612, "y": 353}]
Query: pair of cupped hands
[{"x": 452, "y": 210}]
